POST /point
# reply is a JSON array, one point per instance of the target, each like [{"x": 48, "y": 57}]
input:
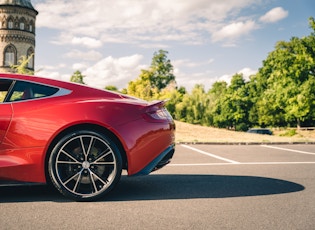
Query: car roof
[
  {"x": 259, "y": 129},
  {"x": 36, "y": 79},
  {"x": 76, "y": 88}
]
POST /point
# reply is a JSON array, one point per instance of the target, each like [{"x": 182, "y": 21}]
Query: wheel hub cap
[{"x": 86, "y": 164}]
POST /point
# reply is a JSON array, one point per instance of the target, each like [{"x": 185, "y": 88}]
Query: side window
[
  {"x": 4, "y": 88},
  {"x": 26, "y": 91}
]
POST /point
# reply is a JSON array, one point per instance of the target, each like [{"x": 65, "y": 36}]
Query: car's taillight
[
  {"x": 156, "y": 112},
  {"x": 158, "y": 115}
]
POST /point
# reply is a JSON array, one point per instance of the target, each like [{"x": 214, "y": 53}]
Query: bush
[
  {"x": 241, "y": 127},
  {"x": 289, "y": 133}
]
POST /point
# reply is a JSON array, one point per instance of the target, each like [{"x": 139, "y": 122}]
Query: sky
[{"x": 110, "y": 41}]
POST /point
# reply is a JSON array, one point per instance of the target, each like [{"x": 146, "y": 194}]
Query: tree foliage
[
  {"x": 194, "y": 107},
  {"x": 285, "y": 80},
  {"x": 77, "y": 77},
  {"x": 232, "y": 107},
  {"x": 153, "y": 81},
  {"x": 161, "y": 70},
  {"x": 281, "y": 93},
  {"x": 111, "y": 88},
  {"x": 22, "y": 66}
]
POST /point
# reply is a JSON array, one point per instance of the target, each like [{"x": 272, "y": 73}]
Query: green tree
[
  {"x": 173, "y": 96},
  {"x": 111, "y": 88},
  {"x": 194, "y": 107},
  {"x": 142, "y": 87},
  {"x": 218, "y": 89},
  {"x": 215, "y": 93},
  {"x": 253, "y": 96},
  {"x": 284, "y": 82},
  {"x": 151, "y": 82},
  {"x": 232, "y": 108},
  {"x": 161, "y": 70},
  {"x": 22, "y": 66},
  {"x": 77, "y": 77}
]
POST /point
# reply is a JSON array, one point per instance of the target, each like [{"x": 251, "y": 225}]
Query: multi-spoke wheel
[{"x": 85, "y": 165}]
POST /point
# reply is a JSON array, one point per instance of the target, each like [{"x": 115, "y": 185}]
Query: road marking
[
  {"x": 246, "y": 163},
  {"x": 285, "y": 149},
  {"x": 210, "y": 154}
]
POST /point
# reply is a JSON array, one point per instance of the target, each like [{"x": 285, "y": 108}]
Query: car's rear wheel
[{"x": 85, "y": 165}]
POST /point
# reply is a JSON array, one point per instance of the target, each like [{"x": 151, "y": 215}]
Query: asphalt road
[{"x": 205, "y": 187}]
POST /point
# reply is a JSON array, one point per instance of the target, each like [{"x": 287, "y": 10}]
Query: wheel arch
[{"x": 85, "y": 126}]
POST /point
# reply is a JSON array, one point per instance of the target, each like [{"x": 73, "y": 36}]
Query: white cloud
[
  {"x": 153, "y": 45},
  {"x": 79, "y": 66},
  {"x": 87, "y": 26},
  {"x": 52, "y": 74},
  {"x": 86, "y": 41},
  {"x": 247, "y": 72},
  {"x": 274, "y": 15},
  {"x": 91, "y": 55},
  {"x": 69, "y": 39},
  {"x": 86, "y": 22},
  {"x": 226, "y": 77},
  {"x": 114, "y": 71},
  {"x": 182, "y": 63},
  {"x": 233, "y": 30}
]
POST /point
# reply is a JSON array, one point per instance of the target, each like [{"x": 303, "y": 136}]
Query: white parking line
[
  {"x": 245, "y": 163},
  {"x": 285, "y": 149},
  {"x": 210, "y": 154}
]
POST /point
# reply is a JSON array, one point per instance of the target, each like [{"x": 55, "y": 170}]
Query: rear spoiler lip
[
  {"x": 156, "y": 112},
  {"x": 155, "y": 105},
  {"x": 158, "y": 102}
]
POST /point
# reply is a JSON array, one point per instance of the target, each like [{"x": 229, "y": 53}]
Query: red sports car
[{"x": 76, "y": 137}]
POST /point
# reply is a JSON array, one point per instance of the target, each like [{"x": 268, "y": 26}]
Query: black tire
[{"x": 85, "y": 165}]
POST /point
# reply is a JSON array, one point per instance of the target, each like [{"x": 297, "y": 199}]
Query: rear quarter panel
[{"x": 36, "y": 123}]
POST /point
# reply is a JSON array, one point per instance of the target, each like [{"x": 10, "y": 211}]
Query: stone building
[{"x": 17, "y": 33}]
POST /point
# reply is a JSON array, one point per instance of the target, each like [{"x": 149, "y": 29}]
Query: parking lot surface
[{"x": 204, "y": 187}]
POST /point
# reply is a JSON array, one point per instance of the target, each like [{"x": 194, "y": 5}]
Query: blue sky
[{"x": 207, "y": 40}]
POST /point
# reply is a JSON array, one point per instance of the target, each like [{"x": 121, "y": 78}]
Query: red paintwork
[{"x": 27, "y": 128}]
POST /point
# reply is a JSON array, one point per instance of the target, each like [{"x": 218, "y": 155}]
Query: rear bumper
[{"x": 160, "y": 161}]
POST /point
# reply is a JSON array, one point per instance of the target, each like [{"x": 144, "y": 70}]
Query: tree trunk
[{"x": 298, "y": 121}]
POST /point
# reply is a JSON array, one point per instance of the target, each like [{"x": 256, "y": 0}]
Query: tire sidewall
[{"x": 53, "y": 173}]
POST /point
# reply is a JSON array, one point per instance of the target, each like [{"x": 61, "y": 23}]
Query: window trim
[{"x": 60, "y": 91}]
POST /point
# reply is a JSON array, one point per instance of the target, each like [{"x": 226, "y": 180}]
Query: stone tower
[{"x": 17, "y": 33}]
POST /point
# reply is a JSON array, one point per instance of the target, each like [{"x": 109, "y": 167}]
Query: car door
[
  {"x": 5, "y": 108},
  {"x": 5, "y": 119}
]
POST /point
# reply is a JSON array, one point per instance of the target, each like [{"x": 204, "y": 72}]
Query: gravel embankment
[{"x": 187, "y": 133}]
